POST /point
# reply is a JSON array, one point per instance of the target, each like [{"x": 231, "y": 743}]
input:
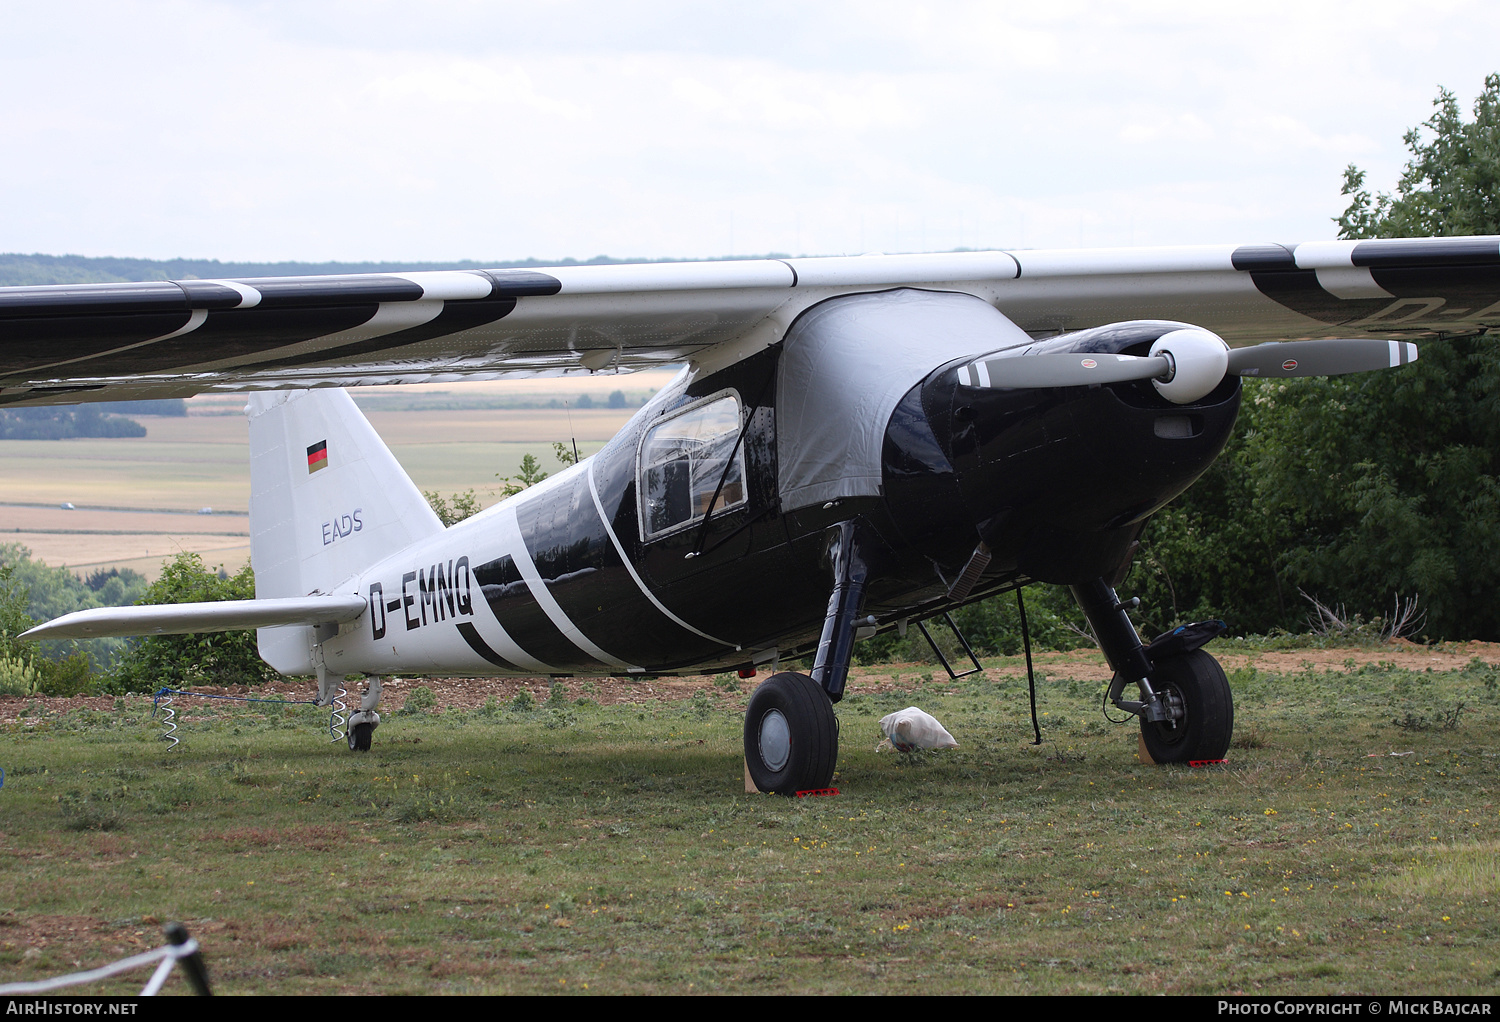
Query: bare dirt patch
[
  {"x": 1446, "y": 656},
  {"x": 77, "y": 939},
  {"x": 1089, "y": 664},
  {"x": 1082, "y": 664}
]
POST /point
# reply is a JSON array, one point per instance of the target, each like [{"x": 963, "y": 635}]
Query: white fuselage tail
[{"x": 327, "y": 500}]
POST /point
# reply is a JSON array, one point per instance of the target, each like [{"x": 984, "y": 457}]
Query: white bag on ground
[{"x": 910, "y": 729}]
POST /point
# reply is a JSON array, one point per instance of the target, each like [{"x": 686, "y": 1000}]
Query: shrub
[
  {"x": 212, "y": 658},
  {"x": 14, "y": 620},
  {"x": 419, "y": 700},
  {"x": 71, "y": 676},
  {"x": 17, "y": 677}
]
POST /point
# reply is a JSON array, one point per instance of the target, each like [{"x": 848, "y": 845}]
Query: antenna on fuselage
[{"x": 572, "y": 433}]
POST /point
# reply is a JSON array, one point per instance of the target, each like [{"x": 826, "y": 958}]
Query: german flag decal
[{"x": 317, "y": 456}]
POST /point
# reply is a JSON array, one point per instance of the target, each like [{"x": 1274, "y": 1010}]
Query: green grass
[{"x": 572, "y": 847}]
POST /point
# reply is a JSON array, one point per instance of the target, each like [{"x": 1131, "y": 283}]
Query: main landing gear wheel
[
  {"x": 1196, "y": 691},
  {"x": 359, "y": 737},
  {"x": 791, "y": 735}
]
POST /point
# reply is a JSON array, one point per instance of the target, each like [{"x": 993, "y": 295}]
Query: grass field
[
  {"x": 202, "y": 460},
  {"x": 567, "y": 846}
]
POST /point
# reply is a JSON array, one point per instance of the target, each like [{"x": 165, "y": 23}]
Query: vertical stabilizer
[{"x": 327, "y": 499}]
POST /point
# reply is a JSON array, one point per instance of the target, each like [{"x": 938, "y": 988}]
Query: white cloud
[{"x": 272, "y": 130}]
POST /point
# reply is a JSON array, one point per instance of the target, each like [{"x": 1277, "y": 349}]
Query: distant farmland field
[{"x": 135, "y": 498}]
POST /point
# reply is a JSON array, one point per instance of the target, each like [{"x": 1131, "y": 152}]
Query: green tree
[
  {"x": 531, "y": 473},
  {"x": 57, "y": 423},
  {"x": 210, "y": 658},
  {"x": 531, "y": 470},
  {"x": 52, "y": 592},
  {"x": 1216, "y": 551},
  {"x": 1451, "y": 184},
  {"x": 1398, "y": 474},
  {"x": 17, "y": 659},
  {"x": 1386, "y": 483},
  {"x": 1359, "y": 487},
  {"x": 451, "y": 511}
]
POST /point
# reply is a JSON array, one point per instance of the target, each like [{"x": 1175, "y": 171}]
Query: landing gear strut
[
  {"x": 1185, "y": 706},
  {"x": 791, "y": 733}
]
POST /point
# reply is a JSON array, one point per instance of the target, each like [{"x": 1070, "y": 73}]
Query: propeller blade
[
  {"x": 1073, "y": 369},
  {"x": 1320, "y": 358}
]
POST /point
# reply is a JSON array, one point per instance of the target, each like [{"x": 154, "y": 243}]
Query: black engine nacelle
[{"x": 1056, "y": 481}]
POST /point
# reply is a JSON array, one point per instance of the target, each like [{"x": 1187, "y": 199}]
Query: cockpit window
[{"x": 681, "y": 462}]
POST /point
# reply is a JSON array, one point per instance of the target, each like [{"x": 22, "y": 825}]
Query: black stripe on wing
[
  {"x": 522, "y": 283},
  {"x": 112, "y": 299},
  {"x": 1300, "y": 291},
  {"x": 27, "y": 342},
  {"x": 1434, "y": 283},
  {"x": 455, "y": 317},
  {"x": 230, "y": 333},
  {"x": 85, "y": 324},
  {"x": 1263, "y": 257},
  {"x": 1424, "y": 253}
]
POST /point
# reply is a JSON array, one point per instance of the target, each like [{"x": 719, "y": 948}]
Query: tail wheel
[
  {"x": 359, "y": 737},
  {"x": 1197, "y": 693},
  {"x": 791, "y": 735}
]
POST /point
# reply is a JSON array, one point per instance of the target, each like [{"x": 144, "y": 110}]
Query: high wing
[{"x": 73, "y": 343}]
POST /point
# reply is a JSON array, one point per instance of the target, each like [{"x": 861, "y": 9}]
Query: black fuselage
[{"x": 1056, "y": 483}]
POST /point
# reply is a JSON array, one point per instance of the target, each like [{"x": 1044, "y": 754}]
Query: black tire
[
  {"x": 1196, "y": 682},
  {"x": 791, "y": 735},
  {"x": 359, "y": 737}
]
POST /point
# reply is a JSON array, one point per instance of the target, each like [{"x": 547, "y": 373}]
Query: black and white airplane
[{"x": 854, "y": 444}]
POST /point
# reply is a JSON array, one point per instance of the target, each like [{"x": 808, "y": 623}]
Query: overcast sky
[{"x": 461, "y": 129}]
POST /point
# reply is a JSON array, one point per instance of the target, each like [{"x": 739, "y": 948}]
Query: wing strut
[{"x": 1030, "y": 674}]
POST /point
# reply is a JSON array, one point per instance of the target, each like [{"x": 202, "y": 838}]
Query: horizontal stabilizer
[{"x": 221, "y": 616}]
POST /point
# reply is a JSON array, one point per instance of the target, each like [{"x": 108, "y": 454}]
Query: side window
[{"x": 681, "y": 462}]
